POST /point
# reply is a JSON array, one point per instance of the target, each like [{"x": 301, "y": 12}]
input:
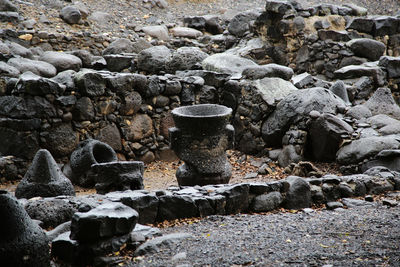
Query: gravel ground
[
  {"x": 358, "y": 236},
  {"x": 125, "y": 15}
]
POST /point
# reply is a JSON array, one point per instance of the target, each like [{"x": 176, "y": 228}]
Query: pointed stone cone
[
  {"x": 23, "y": 242},
  {"x": 44, "y": 178}
]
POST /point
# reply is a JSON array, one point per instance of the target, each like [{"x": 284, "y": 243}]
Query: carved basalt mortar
[{"x": 201, "y": 136}]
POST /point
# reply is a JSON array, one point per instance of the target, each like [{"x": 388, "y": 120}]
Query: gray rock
[
  {"x": 240, "y": 23},
  {"x": 23, "y": 242},
  {"x": 237, "y": 197},
  {"x": 326, "y": 133},
  {"x": 17, "y": 143},
  {"x": 62, "y": 61},
  {"x": 359, "y": 112},
  {"x": 266, "y": 202},
  {"x": 353, "y": 203},
  {"x": 44, "y": 178},
  {"x": 353, "y": 60},
  {"x": 363, "y": 148},
  {"x": 154, "y": 59},
  {"x": 339, "y": 89},
  {"x": 86, "y": 57},
  {"x": 357, "y": 71},
  {"x": 141, "y": 126},
  {"x": 119, "y": 62},
  {"x": 101, "y": 18},
  {"x": 8, "y": 70},
  {"x": 293, "y": 108},
  {"x": 60, "y": 140},
  {"x": 156, "y": 244},
  {"x": 389, "y": 159},
  {"x": 71, "y": 14},
  {"x": 110, "y": 135},
  {"x": 119, "y": 46},
  {"x": 186, "y": 32},
  {"x": 382, "y": 102},
  {"x": 227, "y": 63},
  {"x": 357, "y": 10},
  {"x": 269, "y": 70},
  {"x": 28, "y": 107},
  {"x": 288, "y": 155},
  {"x": 367, "y": 48},
  {"x": 302, "y": 80},
  {"x": 298, "y": 195},
  {"x": 60, "y": 229},
  {"x": 65, "y": 78},
  {"x": 362, "y": 24},
  {"x": 273, "y": 90},
  {"x": 30, "y": 83},
  {"x": 107, "y": 220},
  {"x": 51, "y": 211},
  {"x": 392, "y": 66},
  {"x": 90, "y": 83},
  {"x": 37, "y": 67},
  {"x": 157, "y": 31},
  {"x": 11, "y": 17},
  {"x": 334, "y": 205},
  {"x": 19, "y": 50},
  {"x": 145, "y": 204},
  {"x": 385, "y": 124},
  {"x": 176, "y": 207},
  {"x": 83, "y": 109},
  {"x": 118, "y": 176},
  {"x": 337, "y": 36},
  {"x": 185, "y": 58},
  {"x": 6, "y": 5},
  {"x": 280, "y": 7}
]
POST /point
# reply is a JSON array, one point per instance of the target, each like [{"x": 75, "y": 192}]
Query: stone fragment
[
  {"x": 51, "y": 211},
  {"x": 156, "y": 244},
  {"x": 339, "y": 89},
  {"x": 119, "y": 46},
  {"x": 185, "y": 58},
  {"x": 119, "y": 62},
  {"x": 154, "y": 59},
  {"x": 30, "y": 83},
  {"x": 298, "y": 195},
  {"x": 145, "y": 204},
  {"x": 176, "y": 207},
  {"x": 90, "y": 83},
  {"x": 382, "y": 102},
  {"x": 240, "y": 23},
  {"x": 8, "y": 70},
  {"x": 71, "y": 14},
  {"x": 186, "y": 32},
  {"x": 266, "y": 202},
  {"x": 62, "y": 61},
  {"x": 268, "y": 70},
  {"x": 107, "y": 220},
  {"x": 236, "y": 197},
  {"x": 392, "y": 66},
  {"x": 118, "y": 176},
  {"x": 23, "y": 242},
  {"x": 273, "y": 90},
  {"x": 367, "y": 48},
  {"x": 40, "y": 68},
  {"x": 363, "y": 148},
  {"x": 293, "y": 108},
  {"x": 227, "y": 63},
  {"x": 61, "y": 139},
  {"x": 157, "y": 31}
]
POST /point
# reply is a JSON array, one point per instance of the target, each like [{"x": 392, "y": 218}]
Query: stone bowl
[{"x": 203, "y": 118}]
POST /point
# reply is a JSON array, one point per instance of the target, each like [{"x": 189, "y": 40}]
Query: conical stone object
[{"x": 44, "y": 178}]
